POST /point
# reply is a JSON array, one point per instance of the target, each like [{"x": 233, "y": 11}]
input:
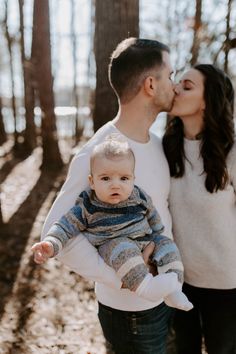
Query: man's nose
[{"x": 176, "y": 89}]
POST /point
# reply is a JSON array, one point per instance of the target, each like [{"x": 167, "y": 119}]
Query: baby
[{"x": 120, "y": 220}]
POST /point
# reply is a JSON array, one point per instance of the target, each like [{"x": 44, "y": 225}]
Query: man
[{"x": 140, "y": 74}]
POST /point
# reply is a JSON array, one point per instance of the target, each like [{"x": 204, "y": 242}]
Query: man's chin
[
  {"x": 170, "y": 108},
  {"x": 173, "y": 111}
]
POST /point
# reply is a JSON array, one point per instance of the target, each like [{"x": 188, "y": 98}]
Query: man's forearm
[{"x": 80, "y": 256}]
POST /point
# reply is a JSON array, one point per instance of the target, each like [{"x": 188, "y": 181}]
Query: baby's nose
[{"x": 115, "y": 184}]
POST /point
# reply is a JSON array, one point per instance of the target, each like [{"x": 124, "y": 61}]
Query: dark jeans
[
  {"x": 212, "y": 318},
  {"x": 141, "y": 332}
]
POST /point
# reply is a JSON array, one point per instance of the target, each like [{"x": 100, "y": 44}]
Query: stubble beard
[
  {"x": 166, "y": 107},
  {"x": 170, "y": 106}
]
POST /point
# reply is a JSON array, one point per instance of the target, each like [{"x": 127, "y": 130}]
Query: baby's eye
[
  {"x": 105, "y": 178},
  {"x": 124, "y": 178}
]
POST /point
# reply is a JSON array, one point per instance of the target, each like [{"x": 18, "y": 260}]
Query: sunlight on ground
[
  {"x": 57, "y": 313},
  {"x": 17, "y": 186},
  {"x": 5, "y": 149}
]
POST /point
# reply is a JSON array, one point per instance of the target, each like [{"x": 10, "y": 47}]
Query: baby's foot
[{"x": 179, "y": 301}]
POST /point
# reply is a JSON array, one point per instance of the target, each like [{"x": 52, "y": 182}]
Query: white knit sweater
[
  {"x": 151, "y": 174},
  {"x": 204, "y": 224}
]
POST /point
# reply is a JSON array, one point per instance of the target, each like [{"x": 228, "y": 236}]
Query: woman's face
[{"x": 189, "y": 100}]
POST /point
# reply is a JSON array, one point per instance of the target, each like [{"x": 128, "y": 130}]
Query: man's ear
[
  {"x": 90, "y": 179},
  {"x": 149, "y": 86}
]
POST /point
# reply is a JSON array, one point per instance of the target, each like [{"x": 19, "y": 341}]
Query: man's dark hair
[{"x": 130, "y": 62}]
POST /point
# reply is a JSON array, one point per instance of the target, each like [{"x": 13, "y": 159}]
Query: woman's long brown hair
[{"x": 217, "y": 137}]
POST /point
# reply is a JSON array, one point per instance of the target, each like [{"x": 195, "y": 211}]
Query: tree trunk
[
  {"x": 1, "y": 220},
  {"x": 43, "y": 74},
  {"x": 13, "y": 99},
  {"x": 30, "y": 129},
  {"x": 3, "y": 135},
  {"x": 78, "y": 127},
  {"x": 232, "y": 43},
  {"x": 197, "y": 29},
  {"x": 227, "y": 36},
  {"x": 114, "y": 21}
]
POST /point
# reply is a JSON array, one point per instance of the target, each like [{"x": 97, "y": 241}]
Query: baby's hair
[{"x": 114, "y": 146}]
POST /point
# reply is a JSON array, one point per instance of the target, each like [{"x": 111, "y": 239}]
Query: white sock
[{"x": 158, "y": 287}]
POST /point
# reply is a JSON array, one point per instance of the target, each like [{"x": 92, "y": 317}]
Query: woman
[{"x": 199, "y": 145}]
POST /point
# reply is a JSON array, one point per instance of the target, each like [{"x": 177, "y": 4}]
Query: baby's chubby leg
[
  {"x": 168, "y": 260},
  {"x": 125, "y": 257}
]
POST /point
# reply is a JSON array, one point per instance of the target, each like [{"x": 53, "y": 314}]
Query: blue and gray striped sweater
[{"x": 99, "y": 221}]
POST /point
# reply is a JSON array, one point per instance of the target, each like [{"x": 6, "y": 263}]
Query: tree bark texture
[
  {"x": 43, "y": 74},
  {"x": 197, "y": 31},
  {"x": 3, "y": 135},
  {"x": 115, "y": 20},
  {"x": 30, "y": 128}
]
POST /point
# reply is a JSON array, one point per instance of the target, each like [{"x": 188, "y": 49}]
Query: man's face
[{"x": 164, "y": 88}]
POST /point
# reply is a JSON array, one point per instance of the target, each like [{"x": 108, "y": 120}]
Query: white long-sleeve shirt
[
  {"x": 151, "y": 174},
  {"x": 204, "y": 224}
]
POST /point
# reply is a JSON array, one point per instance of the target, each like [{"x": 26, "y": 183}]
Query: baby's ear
[{"x": 90, "y": 179}]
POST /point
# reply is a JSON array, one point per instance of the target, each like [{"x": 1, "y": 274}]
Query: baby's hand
[{"x": 42, "y": 251}]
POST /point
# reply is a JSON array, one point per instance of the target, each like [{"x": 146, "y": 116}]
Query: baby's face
[{"x": 112, "y": 179}]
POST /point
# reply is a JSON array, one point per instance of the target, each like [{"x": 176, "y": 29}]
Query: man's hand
[{"x": 147, "y": 252}]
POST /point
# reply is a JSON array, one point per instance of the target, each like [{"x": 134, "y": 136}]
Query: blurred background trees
[{"x": 55, "y": 53}]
